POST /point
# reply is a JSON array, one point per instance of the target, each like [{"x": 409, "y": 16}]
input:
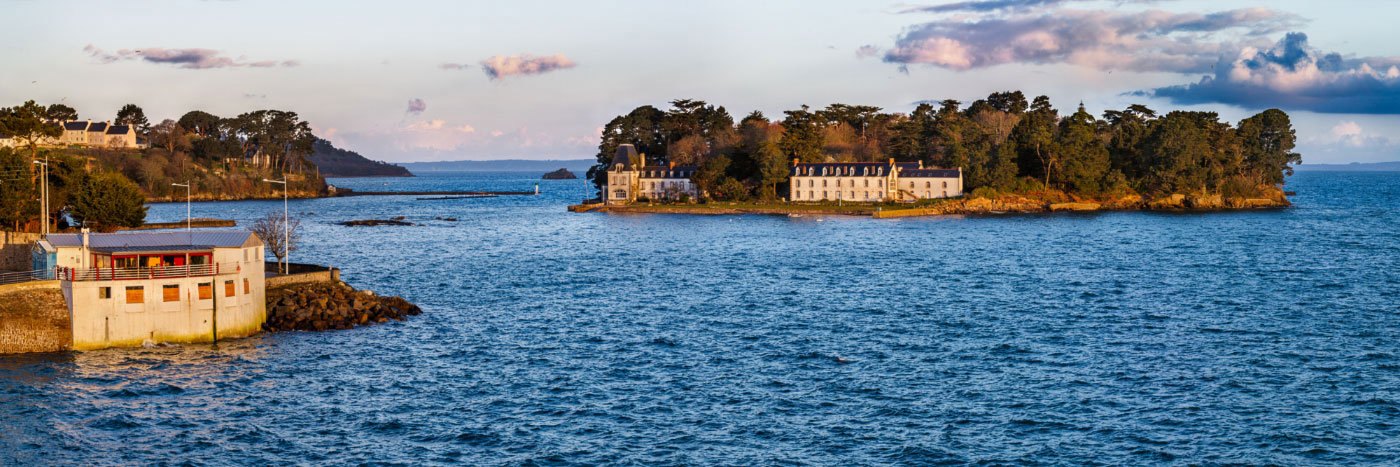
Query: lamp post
[
  {"x": 286, "y": 235},
  {"x": 187, "y": 203},
  {"x": 44, "y": 192}
]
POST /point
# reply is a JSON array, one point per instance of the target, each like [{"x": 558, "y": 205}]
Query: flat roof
[{"x": 168, "y": 240}]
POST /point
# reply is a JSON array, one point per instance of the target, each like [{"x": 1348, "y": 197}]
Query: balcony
[{"x": 158, "y": 272}]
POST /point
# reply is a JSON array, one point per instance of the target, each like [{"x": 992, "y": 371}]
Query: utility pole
[{"x": 44, "y": 192}]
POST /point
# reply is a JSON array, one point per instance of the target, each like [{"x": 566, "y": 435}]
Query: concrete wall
[
  {"x": 112, "y": 322},
  {"x": 329, "y": 275},
  {"x": 16, "y": 250},
  {"x": 34, "y": 318}
]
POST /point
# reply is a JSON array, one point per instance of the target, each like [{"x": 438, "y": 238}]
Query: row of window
[
  {"x": 812, "y": 195},
  {"x": 171, "y": 292},
  {"x": 878, "y": 183},
  {"x": 826, "y": 171}
]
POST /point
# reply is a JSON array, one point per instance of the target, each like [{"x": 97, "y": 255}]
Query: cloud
[
  {"x": 417, "y": 106},
  {"x": 501, "y": 66},
  {"x": 1292, "y": 75},
  {"x": 249, "y": 95},
  {"x": 867, "y": 51},
  {"x": 194, "y": 59},
  {"x": 1140, "y": 41},
  {"x": 443, "y": 139},
  {"x": 982, "y": 6}
]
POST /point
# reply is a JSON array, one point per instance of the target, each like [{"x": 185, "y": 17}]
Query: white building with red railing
[{"x": 125, "y": 288}]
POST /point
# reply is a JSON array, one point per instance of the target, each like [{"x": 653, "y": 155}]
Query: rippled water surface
[{"x": 1265, "y": 337}]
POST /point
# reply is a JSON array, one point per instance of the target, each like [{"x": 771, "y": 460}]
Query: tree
[
  {"x": 1085, "y": 159},
  {"x": 169, "y": 135},
  {"x": 27, "y": 124},
  {"x": 106, "y": 201},
  {"x": 707, "y": 179},
  {"x": 60, "y": 112},
  {"x": 802, "y": 136},
  {"x": 774, "y": 169},
  {"x": 280, "y": 237},
  {"x": 1268, "y": 141},
  {"x": 203, "y": 124},
  {"x": 132, "y": 115},
  {"x": 1035, "y": 137},
  {"x": 642, "y": 127},
  {"x": 18, "y": 196}
]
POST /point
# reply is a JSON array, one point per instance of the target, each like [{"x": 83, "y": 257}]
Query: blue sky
[{"x": 410, "y": 81}]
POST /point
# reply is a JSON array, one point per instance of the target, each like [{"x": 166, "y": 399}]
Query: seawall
[{"x": 34, "y": 318}]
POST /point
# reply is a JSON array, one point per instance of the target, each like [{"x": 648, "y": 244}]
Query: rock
[
  {"x": 1074, "y": 207},
  {"x": 561, "y": 174},
  {"x": 325, "y": 306},
  {"x": 1205, "y": 202},
  {"x": 377, "y": 222}
]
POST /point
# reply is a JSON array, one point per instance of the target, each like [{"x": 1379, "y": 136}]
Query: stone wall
[
  {"x": 34, "y": 318},
  {"x": 302, "y": 274},
  {"x": 16, "y": 250}
]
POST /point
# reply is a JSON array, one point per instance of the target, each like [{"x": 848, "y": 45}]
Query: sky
[{"x": 454, "y": 80}]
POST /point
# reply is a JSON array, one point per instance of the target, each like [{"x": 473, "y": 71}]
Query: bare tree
[{"x": 279, "y": 241}]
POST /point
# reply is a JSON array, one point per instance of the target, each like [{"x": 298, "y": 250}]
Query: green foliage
[
  {"x": 60, "y": 112},
  {"x": 1001, "y": 142},
  {"x": 132, "y": 115},
  {"x": 106, "y": 201},
  {"x": 18, "y": 194},
  {"x": 730, "y": 189},
  {"x": 28, "y": 126}
]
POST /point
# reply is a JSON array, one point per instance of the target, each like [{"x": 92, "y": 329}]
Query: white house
[
  {"x": 629, "y": 178},
  {"x": 871, "y": 182},
  {"x": 125, "y": 288}
]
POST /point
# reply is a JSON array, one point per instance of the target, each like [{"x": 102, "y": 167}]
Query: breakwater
[{"x": 330, "y": 305}]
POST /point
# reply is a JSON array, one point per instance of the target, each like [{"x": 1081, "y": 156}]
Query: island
[
  {"x": 999, "y": 154},
  {"x": 561, "y": 174}
]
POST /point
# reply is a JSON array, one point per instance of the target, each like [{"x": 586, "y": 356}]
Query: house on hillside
[
  {"x": 74, "y": 133},
  {"x": 630, "y": 178},
  {"x": 125, "y": 288},
  {"x": 96, "y": 134},
  {"x": 871, "y": 182},
  {"x": 121, "y": 137}
]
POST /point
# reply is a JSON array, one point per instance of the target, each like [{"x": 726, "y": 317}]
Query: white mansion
[
  {"x": 872, "y": 181},
  {"x": 630, "y": 178}
]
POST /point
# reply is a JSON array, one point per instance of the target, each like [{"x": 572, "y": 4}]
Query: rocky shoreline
[
  {"x": 980, "y": 205},
  {"x": 330, "y": 305}
]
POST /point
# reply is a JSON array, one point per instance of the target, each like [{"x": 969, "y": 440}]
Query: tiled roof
[
  {"x": 99, "y": 126},
  {"x": 118, "y": 130},
  {"x": 166, "y": 240},
  {"x": 930, "y": 173},
  {"x": 75, "y": 126},
  {"x": 626, "y": 155}
]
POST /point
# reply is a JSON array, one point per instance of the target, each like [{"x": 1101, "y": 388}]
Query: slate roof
[
  {"x": 665, "y": 171},
  {"x": 118, "y": 129},
  {"x": 75, "y": 126},
  {"x": 930, "y": 173},
  {"x": 203, "y": 240},
  {"x": 98, "y": 126},
  {"x": 848, "y": 169},
  {"x": 627, "y": 156}
]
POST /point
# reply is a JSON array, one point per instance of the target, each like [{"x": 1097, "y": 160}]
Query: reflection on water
[{"x": 549, "y": 337}]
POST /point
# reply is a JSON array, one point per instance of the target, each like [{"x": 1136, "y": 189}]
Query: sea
[{"x": 1265, "y": 337}]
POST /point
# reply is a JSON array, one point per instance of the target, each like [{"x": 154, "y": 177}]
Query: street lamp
[
  {"x": 286, "y": 234},
  {"x": 44, "y": 192},
  {"x": 187, "y": 203}
]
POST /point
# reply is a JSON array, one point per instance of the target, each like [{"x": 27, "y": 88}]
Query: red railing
[{"x": 157, "y": 272}]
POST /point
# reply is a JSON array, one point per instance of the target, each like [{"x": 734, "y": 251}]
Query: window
[
  {"x": 135, "y": 294},
  {"x": 926, "y": 185},
  {"x": 104, "y": 292},
  {"x": 945, "y": 185},
  {"x": 880, "y": 183},
  {"x": 838, "y": 182},
  {"x": 911, "y": 185},
  {"x": 945, "y": 193},
  {"x": 228, "y": 288},
  {"x": 206, "y": 290},
  {"x": 867, "y": 183},
  {"x": 246, "y": 289},
  {"x": 170, "y": 293},
  {"x": 823, "y": 183},
  {"x": 926, "y": 195},
  {"x": 811, "y": 194},
  {"x": 810, "y": 182},
  {"x": 824, "y": 196},
  {"x": 796, "y": 194}
]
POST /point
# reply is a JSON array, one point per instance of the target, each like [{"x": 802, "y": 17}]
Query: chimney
[
  {"x": 85, "y": 237},
  {"x": 672, "y": 165},
  {"x": 795, "y": 161}
]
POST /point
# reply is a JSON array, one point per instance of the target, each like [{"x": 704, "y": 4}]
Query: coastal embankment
[
  {"x": 319, "y": 306},
  {"x": 1010, "y": 203}
]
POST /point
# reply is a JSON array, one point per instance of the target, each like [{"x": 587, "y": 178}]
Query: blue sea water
[{"x": 550, "y": 338}]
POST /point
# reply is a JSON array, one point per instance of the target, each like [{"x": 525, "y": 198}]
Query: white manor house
[
  {"x": 871, "y": 182},
  {"x": 630, "y": 178}
]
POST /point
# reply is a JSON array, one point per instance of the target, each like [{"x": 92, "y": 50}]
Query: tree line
[
  {"x": 1003, "y": 143},
  {"x": 106, "y": 189}
]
